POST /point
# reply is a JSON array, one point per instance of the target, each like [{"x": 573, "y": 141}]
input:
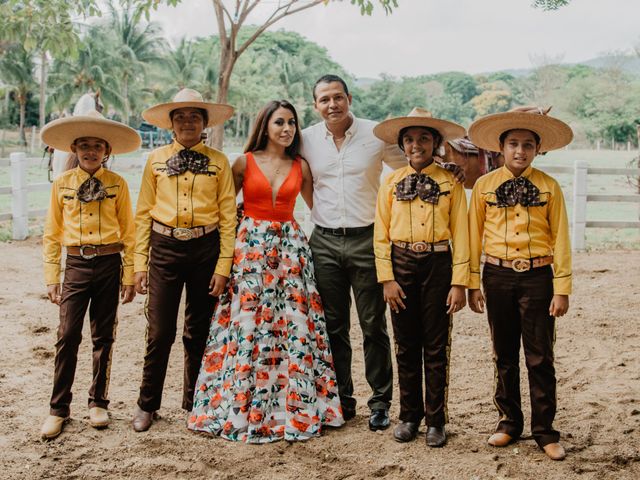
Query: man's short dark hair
[{"x": 329, "y": 79}]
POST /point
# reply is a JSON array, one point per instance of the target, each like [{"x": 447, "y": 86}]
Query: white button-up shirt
[{"x": 346, "y": 181}]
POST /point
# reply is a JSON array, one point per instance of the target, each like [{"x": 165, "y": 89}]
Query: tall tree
[
  {"x": 16, "y": 67},
  {"x": 44, "y": 27},
  {"x": 137, "y": 46},
  {"x": 232, "y": 15}
]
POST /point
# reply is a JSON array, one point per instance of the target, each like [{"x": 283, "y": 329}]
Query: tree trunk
[
  {"x": 227, "y": 61},
  {"x": 43, "y": 84},
  {"x": 125, "y": 94},
  {"x": 23, "y": 115}
]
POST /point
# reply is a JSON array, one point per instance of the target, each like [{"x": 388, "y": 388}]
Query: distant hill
[{"x": 627, "y": 63}]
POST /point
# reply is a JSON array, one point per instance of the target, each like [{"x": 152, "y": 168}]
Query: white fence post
[
  {"x": 19, "y": 205},
  {"x": 579, "y": 220}
]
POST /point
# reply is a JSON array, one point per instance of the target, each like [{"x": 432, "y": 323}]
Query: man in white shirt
[{"x": 346, "y": 162}]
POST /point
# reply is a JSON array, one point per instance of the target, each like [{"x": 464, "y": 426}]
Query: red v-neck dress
[{"x": 267, "y": 372}]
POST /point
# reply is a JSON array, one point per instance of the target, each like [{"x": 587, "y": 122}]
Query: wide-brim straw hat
[
  {"x": 158, "y": 115},
  {"x": 61, "y": 133},
  {"x": 388, "y": 130},
  {"x": 485, "y": 132}
]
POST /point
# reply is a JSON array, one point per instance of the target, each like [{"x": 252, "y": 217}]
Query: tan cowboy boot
[
  {"x": 554, "y": 451},
  {"x": 500, "y": 439},
  {"x": 52, "y": 427},
  {"x": 98, "y": 417}
]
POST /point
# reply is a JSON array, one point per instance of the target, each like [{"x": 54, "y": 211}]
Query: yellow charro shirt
[
  {"x": 186, "y": 200},
  {"x": 520, "y": 232},
  {"x": 73, "y": 223},
  {"x": 419, "y": 221}
]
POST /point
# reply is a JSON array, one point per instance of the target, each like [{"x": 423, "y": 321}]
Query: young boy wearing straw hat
[
  {"x": 185, "y": 234},
  {"x": 90, "y": 215},
  {"x": 422, "y": 259},
  {"x": 518, "y": 219}
]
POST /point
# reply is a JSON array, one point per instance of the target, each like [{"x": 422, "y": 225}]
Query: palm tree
[
  {"x": 91, "y": 71},
  {"x": 16, "y": 69},
  {"x": 137, "y": 46}
]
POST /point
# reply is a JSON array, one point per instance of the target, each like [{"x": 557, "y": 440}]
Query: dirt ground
[{"x": 598, "y": 369}]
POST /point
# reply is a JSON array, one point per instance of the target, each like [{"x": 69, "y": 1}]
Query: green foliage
[{"x": 550, "y": 4}]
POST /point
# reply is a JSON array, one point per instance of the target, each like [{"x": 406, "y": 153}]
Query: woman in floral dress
[{"x": 267, "y": 372}]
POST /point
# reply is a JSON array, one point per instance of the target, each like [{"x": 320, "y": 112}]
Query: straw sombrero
[
  {"x": 389, "y": 130},
  {"x": 61, "y": 133},
  {"x": 485, "y": 132},
  {"x": 158, "y": 115}
]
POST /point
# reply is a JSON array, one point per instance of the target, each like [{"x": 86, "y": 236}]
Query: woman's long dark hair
[{"x": 259, "y": 133}]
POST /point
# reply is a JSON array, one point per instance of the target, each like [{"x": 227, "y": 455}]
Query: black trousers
[
  {"x": 343, "y": 263},
  {"x": 518, "y": 308},
  {"x": 174, "y": 265},
  {"x": 422, "y": 334},
  {"x": 92, "y": 284}
]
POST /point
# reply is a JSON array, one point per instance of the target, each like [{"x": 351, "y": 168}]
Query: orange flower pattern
[{"x": 267, "y": 372}]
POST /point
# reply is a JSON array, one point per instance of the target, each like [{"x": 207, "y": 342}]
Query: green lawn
[{"x": 130, "y": 167}]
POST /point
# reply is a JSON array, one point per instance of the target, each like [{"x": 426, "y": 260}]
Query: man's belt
[
  {"x": 520, "y": 264},
  {"x": 344, "y": 232},
  {"x": 91, "y": 251},
  {"x": 183, "y": 233},
  {"x": 420, "y": 247}
]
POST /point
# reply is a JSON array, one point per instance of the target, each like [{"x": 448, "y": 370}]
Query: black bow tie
[
  {"x": 418, "y": 184},
  {"x": 186, "y": 159},
  {"x": 91, "y": 189},
  {"x": 518, "y": 190}
]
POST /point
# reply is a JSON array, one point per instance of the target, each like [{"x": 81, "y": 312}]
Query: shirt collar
[
  {"x": 177, "y": 147},
  {"x": 509, "y": 175},
  {"x": 83, "y": 175},
  {"x": 350, "y": 132}
]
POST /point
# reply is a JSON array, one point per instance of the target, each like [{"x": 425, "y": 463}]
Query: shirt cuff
[
  {"x": 460, "y": 275},
  {"x": 223, "y": 267},
  {"x": 128, "y": 277},
  {"x": 562, "y": 286},
  {"x": 52, "y": 273},
  {"x": 474, "y": 281},
  {"x": 384, "y": 270},
  {"x": 140, "y": 262}
]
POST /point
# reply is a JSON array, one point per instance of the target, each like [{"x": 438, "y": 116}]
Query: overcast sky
[{"x": 430, "y": 36}]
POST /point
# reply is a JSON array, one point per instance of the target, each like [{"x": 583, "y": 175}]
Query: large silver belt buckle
[
  {"x": 182, "y": 234},
  {"x": 521, "y": 265},
  {"x": 88, "y": 256},
  {"x": 420, "y": 247}
]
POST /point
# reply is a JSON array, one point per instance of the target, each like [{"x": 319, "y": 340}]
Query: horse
[{"x": 474, "y": 161}]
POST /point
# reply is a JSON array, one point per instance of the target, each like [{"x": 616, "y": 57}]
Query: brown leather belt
[
  {"x": 420, "y": 247},
  {"x": 183, "y": 233},
  {"x": 91, "y": 251},
  {"x": 520, "y": 264}
]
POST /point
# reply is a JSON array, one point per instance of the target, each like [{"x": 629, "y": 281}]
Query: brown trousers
[
  {"x": 518, "y": 308},
  {"x": 423, "y": 334},
  {"x": 174, "y": 265},
  {"x": 94, "y": 284}
]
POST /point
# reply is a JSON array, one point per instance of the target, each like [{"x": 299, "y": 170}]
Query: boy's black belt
[{"x": 344, "y": 232}]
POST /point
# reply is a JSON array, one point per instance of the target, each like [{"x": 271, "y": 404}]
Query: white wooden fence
[{"x": 20, "y": 213}]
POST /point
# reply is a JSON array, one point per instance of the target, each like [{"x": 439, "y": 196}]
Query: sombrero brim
[
  {"x": 485, "y": 132},
  {"x": 61, "y": 133},
  {"x": 388, "y": 130},
  {"x": 158, "y": 115}
]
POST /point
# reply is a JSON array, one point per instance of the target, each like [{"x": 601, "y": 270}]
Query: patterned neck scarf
[
  {"x": 518, "y": 190},
  {"x": 187, "y": 159},
  {"x": 91, "y": 189},
  {"x": 418, "y": 184}
]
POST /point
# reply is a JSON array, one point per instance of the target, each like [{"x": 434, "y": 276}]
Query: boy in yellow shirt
[
  {"x": 185, "y": 236},
  {"x": 518, "y": 219},
  {"x": 90, "y": 215},
  {"x": 422, "y": 260}
]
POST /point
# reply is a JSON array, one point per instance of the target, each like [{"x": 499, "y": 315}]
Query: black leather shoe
[
  {"x": 348, "y": 413},
  {"x": 379, "y": 419},
  {"x": 405, "y": 431},
  {"x": 436, "y": 437}
]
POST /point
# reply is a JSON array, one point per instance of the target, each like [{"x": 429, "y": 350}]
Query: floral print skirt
[{"x": 267, "y": 372}]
